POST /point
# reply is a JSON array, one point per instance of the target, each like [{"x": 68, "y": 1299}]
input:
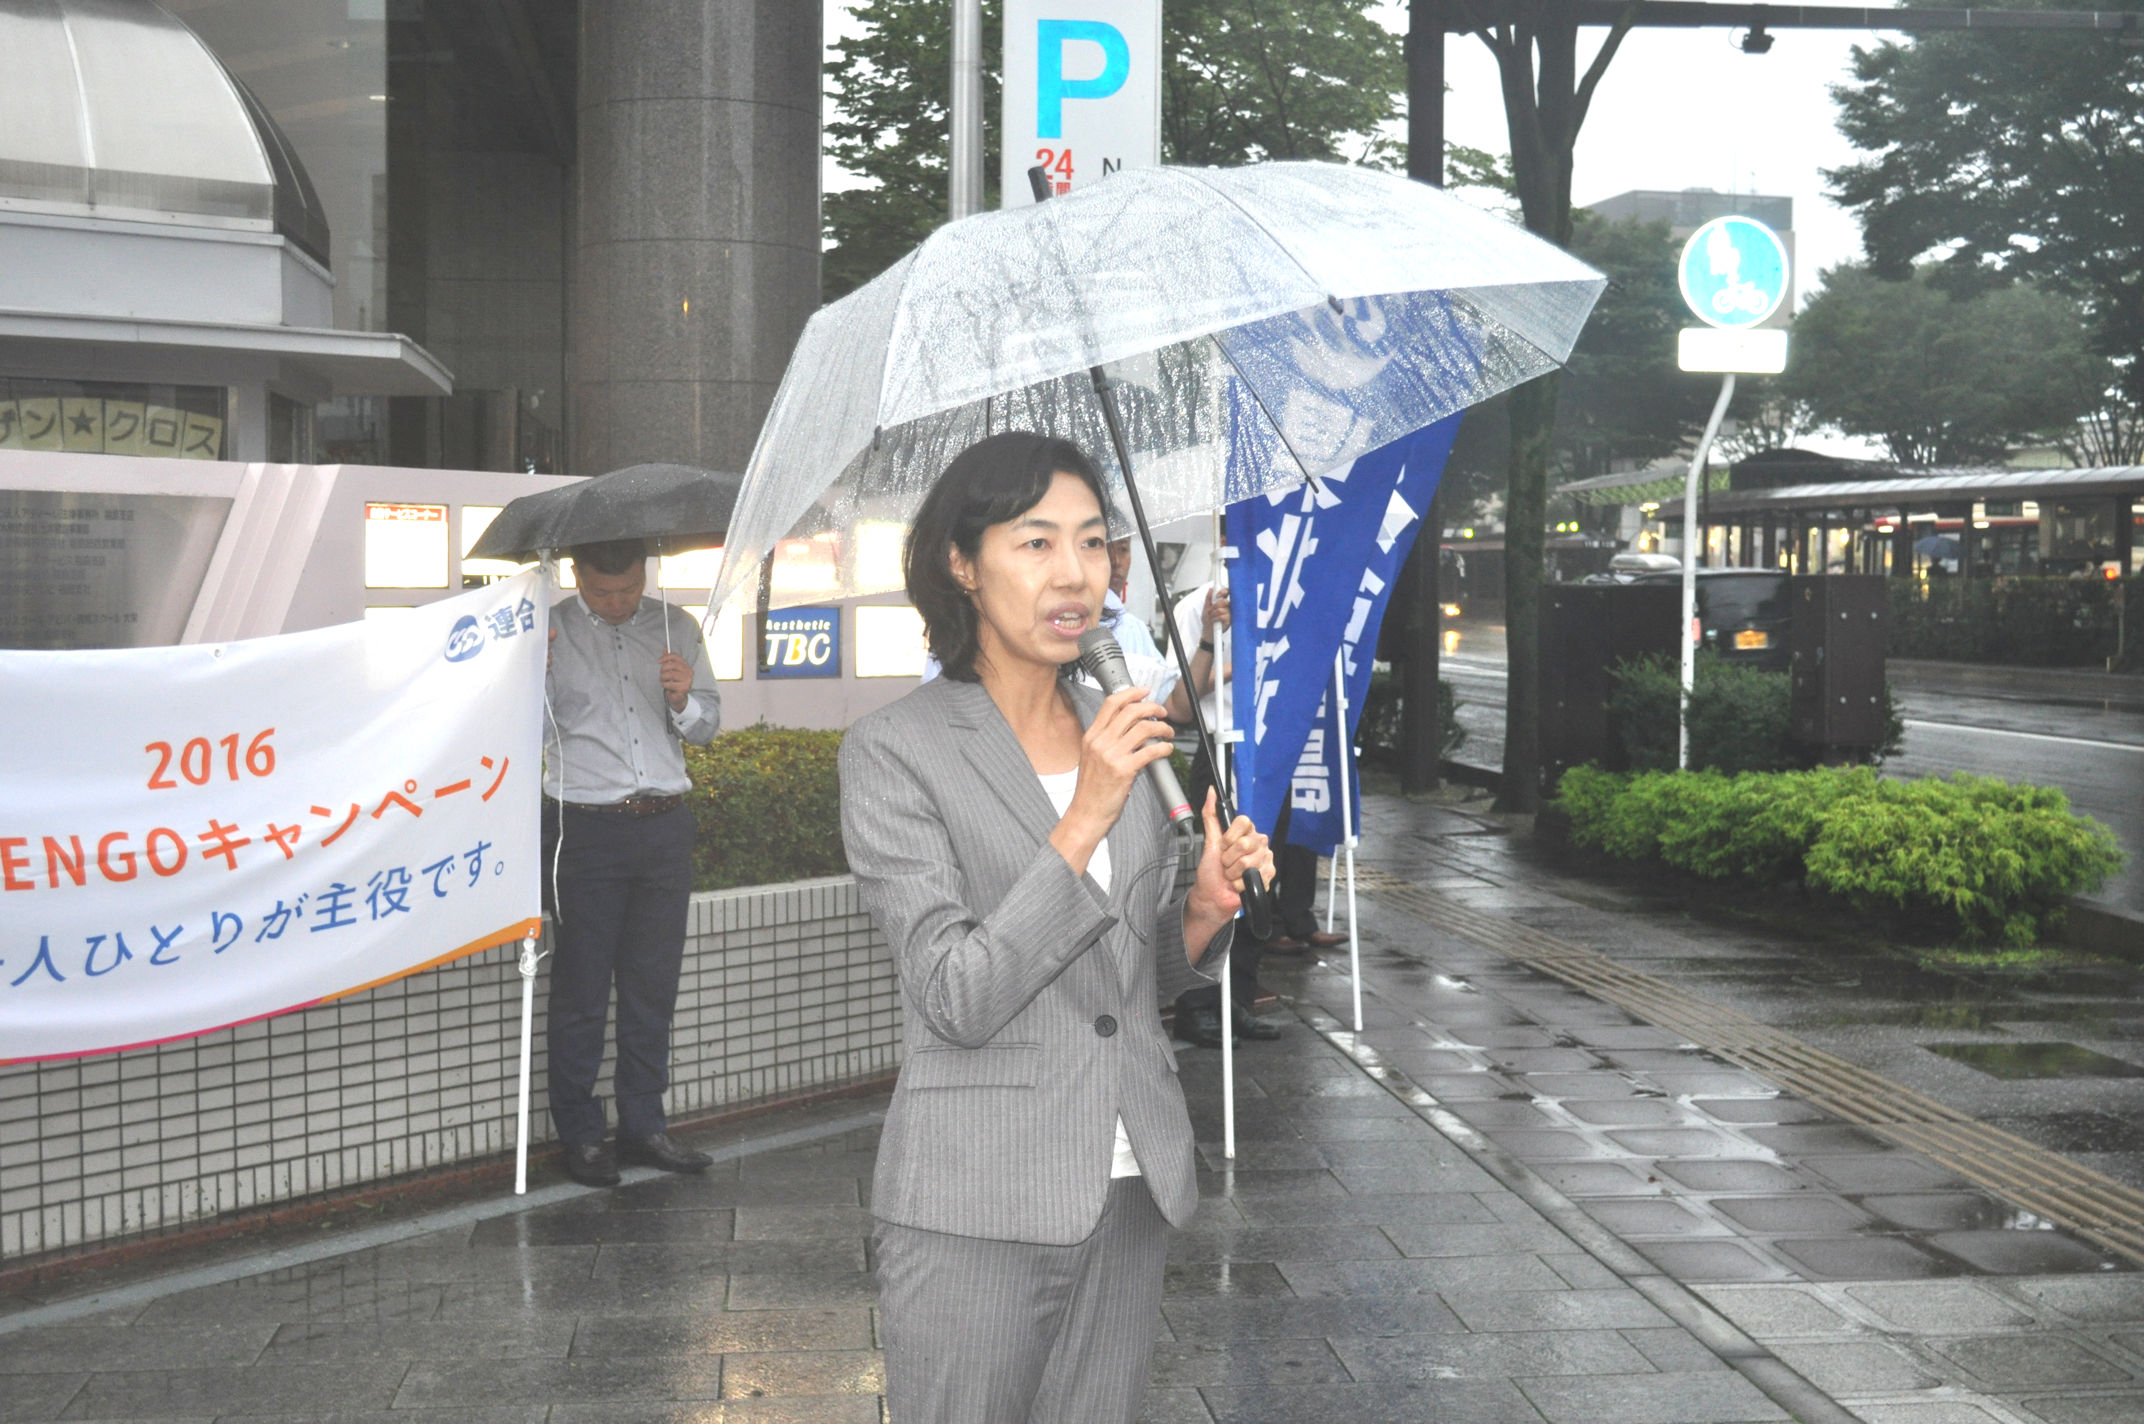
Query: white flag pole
[
  {"x": 1224, "y": 756},
  {"x": 1347, "y": 829},
  {"x": 528, "y": 1022}
]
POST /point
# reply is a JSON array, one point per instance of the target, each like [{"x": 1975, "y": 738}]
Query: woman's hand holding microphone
[{"x": 1126, "y": 736}]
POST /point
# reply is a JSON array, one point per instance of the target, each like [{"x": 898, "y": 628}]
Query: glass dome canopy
[{"x": 114, "y": 108}]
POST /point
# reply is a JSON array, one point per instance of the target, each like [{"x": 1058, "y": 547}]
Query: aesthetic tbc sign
[
  {"x": 1082, "y": 91},
  {"x": 203, "y": 835},
  {"x": 1734, "y": 274},
  {"x": 801, "y": 642}
]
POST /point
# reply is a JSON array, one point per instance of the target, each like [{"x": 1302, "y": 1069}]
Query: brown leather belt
[{"x": 630, "y": 806}]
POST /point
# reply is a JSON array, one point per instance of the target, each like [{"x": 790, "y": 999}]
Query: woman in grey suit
[{"x": 1019, "y": 864}]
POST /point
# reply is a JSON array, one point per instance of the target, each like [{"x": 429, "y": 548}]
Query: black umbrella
[{"x": 677, "y": 506}]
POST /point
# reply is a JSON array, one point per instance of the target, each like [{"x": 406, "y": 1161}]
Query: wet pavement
[
  {"x": 1505, "y": 1200},
  {"x": 1350, "y": 1263}
]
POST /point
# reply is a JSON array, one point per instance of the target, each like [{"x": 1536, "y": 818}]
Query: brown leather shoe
[{"x": 1327, "y": 939}]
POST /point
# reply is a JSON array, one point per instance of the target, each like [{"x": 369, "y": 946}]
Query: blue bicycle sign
[{"x": 1734, "y": 272}]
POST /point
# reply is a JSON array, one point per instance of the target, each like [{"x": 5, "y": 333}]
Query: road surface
[{"x": 2084, "y": 734}]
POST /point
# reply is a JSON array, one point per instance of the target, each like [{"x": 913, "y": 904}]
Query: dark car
[{"x": 1745, "y": 613}]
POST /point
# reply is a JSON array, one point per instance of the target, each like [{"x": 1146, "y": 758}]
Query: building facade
[{"x": 532, "y": 235}]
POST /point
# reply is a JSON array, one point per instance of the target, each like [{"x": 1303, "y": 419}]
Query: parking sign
[{"x": 1082, "y": 91}]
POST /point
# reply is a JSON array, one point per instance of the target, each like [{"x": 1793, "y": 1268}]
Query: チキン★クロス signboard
[{"x": 202, "y": 835}]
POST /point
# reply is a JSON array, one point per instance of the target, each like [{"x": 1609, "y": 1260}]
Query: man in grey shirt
[{"x": 624, "y": 694}]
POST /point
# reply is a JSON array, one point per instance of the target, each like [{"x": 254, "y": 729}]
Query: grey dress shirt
[{"x": 611, "y": 733}]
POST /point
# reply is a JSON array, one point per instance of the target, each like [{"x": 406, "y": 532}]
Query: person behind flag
[{"x": 1202, "y": 622}]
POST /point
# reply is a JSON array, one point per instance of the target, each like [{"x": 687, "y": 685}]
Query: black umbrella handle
[{"x": 1257, "y": 898}]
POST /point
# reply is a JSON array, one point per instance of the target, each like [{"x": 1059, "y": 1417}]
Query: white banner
[
  {"x": 1082, "y": 92},
  {"x": 198, "y": 836}
]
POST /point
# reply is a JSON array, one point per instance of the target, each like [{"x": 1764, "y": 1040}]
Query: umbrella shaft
[{"x": 1255, "y": 899}]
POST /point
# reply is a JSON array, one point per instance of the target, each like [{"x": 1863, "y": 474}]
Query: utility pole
[
  {"x": 1420, "y": 752},
  {"x": 964, "y": 189}
]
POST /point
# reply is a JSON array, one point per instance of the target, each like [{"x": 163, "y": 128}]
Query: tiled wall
[{"x": 786, "y": 988}]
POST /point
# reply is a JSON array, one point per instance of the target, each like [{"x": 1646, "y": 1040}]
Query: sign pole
[
  {"x": 527, "y": 965},
  {"x": 1347, "y": 829},
  {"x": 1691, "y": 537},
  {"x": 964, "y": 190},
  {"x": 1734, "y": 273}
]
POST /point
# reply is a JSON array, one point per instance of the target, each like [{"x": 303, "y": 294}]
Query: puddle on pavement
[
  {"x": 1883, "y": 978},
  {"x": 2036, "y": 1060},
  {"x": 1951, "y": 1015}
]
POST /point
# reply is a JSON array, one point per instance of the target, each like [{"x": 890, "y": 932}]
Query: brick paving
[{"x": 1504, "y": 1201}]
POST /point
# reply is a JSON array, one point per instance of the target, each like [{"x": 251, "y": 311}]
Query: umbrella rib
[
  {"x": 1252, "y": 218},
  {"x": 1265, "y": 410}
]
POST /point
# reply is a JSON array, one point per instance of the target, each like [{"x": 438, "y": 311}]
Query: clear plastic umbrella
[
  {"x": 1205, "y": 335},
  {"x": 1257, "y": 326}
]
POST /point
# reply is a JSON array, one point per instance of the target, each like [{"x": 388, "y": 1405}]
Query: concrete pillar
[{"x": 697, "y": 223}]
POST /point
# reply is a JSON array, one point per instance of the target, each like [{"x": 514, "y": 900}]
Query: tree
[
  {"x": 1942, "y": 379},
  {"x": 1546, "y": 97},
  {"x": 2013, "y": 157},
  {"x": 889, "y": 123},
  {"x": 1248, "y": 80},
  {"x": 1242, "y": 81},
  {"x": 1624, "y": 396},
  {"x": 1762, "y": 417}
]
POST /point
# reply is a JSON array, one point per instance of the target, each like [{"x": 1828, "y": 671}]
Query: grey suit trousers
[{"x": 1006, "y": 1332}]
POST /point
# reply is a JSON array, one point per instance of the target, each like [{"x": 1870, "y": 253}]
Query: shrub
[
  {"x": 1971, "y": 855},
  {"x": 767, "y": 805},
  {"x": 2045, "y": 622},
  {"x": 1740, "y": 718},
  {"x": 1996, "y": 858}
]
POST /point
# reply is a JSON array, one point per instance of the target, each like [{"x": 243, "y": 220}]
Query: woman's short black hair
[{"x": 998, "y": 478}]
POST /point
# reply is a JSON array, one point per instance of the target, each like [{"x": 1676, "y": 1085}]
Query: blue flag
[{"x": 1313, "y": 572}]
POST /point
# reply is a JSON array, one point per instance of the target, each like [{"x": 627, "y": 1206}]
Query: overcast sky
[{"x": 1678, "y": 109}]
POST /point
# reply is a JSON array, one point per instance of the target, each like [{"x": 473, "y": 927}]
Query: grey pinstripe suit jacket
[{"x": 1007, "y": 1102}]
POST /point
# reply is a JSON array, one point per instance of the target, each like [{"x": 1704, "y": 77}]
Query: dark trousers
[
  {"x": 1295, "y": 869},
  {"x": 619, "y": 906},
  {"x": 1244, "y": 954}
]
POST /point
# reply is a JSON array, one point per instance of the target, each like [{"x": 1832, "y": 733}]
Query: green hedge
[
  {"x": 1740, "y": 718},
  {"x": 1970, "y": 856},
  {"x": 2041, "y": 622},
  {"x": 767, "y": 803}
]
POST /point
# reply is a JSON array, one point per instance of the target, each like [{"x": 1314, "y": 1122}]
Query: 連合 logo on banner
[
  {"x": 203, "y": 835},
  {"x": 1313, "y": 573}
]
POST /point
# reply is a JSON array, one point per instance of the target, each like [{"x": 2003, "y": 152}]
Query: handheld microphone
[{"x": 1103, "y": 660}]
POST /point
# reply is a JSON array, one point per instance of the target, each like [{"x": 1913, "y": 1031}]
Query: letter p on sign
[
  {"x": 1082, "y": 91},
  {"x": 1051, "y": 86}
]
